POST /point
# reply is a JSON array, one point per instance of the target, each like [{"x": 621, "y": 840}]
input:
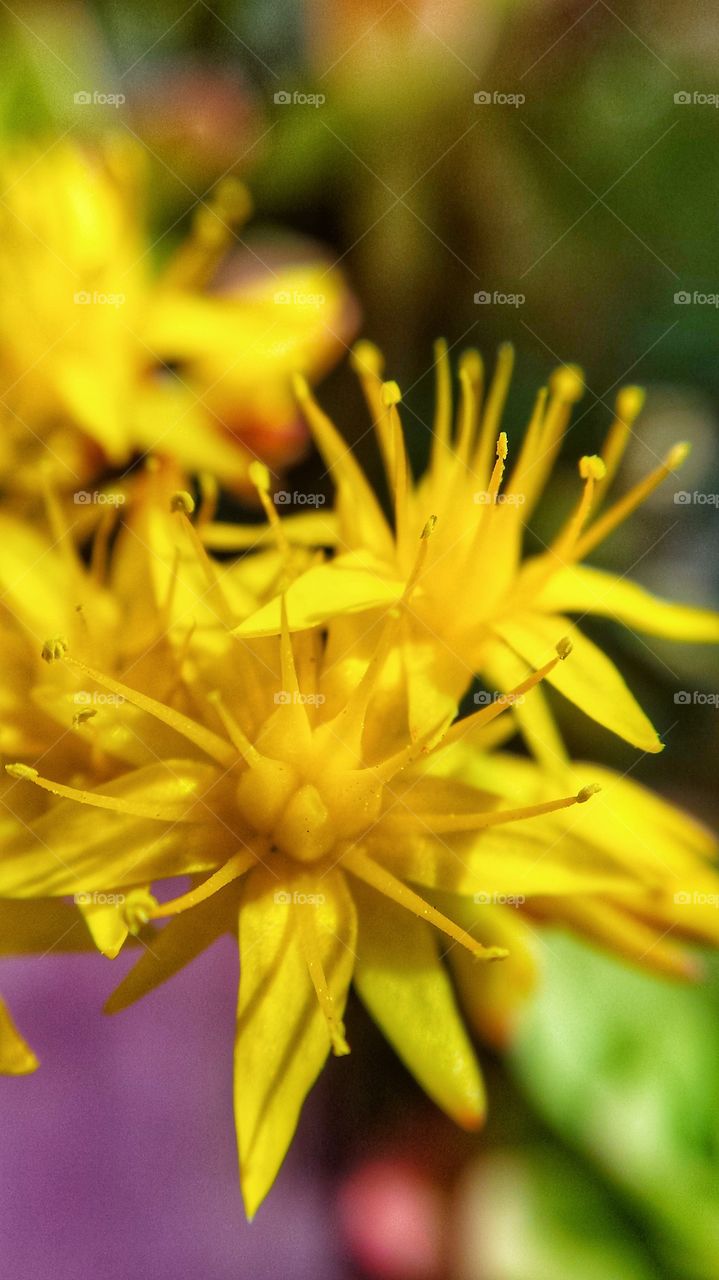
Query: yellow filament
[
  {"x": 311, "y": 951},
  {"x": 492, "y": 416},
  {"x": 629, "y": 404},
  {"x": 235, "y": 733},
  {"x": 215, "y": 747},
  {"x": 471, "y": 373},
  {"x": 444, "y": 823},
  {"x": 232, "y": 870},
  {"x": 365, "y": 868},
  {"x": 116, "y": 804},
  {"x": 480, "y": 719},
  {"x": 617, "y": 514},
  {"x": 442, "y": 427}
]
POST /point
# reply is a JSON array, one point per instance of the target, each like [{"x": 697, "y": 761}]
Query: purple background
[{"x": 118, "y": 1156}]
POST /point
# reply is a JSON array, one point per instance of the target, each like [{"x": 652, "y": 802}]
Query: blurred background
[{"x": 483, "y": 170}]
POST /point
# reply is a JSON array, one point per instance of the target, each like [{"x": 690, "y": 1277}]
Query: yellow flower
[
  {"x": 479, "y": 607},
  {"x": 101, "y": 358},
  {"x": 341, "y": 847}
]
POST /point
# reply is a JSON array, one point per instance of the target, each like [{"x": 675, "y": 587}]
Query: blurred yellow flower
[
  {"x": 479, "y": 608},
  {"x": 102, "y": 358}
]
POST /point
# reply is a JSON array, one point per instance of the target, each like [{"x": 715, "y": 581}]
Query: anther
[{"x": 54, "y": 649}]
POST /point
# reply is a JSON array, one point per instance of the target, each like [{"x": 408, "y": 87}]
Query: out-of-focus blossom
[{"x": 102, "y": 358}]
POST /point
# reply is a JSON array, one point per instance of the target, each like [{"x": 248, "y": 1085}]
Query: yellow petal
[
  {"x": 282, "y": 1037},
  {"x": 588, "y": 677},
  {"x": 581, "y": 589},
  {"x": 405, "y": 987},
  {"x": 349, "y": 585},
  {"x": 16, "y": 1057}
]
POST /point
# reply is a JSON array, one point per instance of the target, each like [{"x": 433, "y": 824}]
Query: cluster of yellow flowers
[{"x": 281, "y": 724}]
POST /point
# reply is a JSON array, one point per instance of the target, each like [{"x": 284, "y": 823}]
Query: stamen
[
  {"x": 54, "y": 649},
  {"x": 197, "y": 259},
  {"x": 480, "y": 719},
  {"x": 442, "y": 427},
  {"x": 566, "y": 388},
  {"x": 530, "y": 443},
  {"x": 367, "y": 362},
  {"x": 365, "y": 868},
  {"x": 496, "y": 400},
  {"x": 235, "y": 733},
  {"x": 349, "y": 724},
  {"x": 443, "y": 824},
  {"x": 629, "y": 404},
  {"x": 591, "y": 470},
  {"x": 337, "y": 455},
  {"x": 260, "y": 477},
  {"x": 232, "y": 870},
  {"x": 471, "y": 374},
  {"x": 137, "y": 909},
  {"x": 184, "y": 505},
  {"x": 310, "y": 948},
  {"x": 617, "y": 514},
  {"x": 205, "y": 739},
  {"x": 116, "y": 804},
  {"x": 391, "y": 397}
]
